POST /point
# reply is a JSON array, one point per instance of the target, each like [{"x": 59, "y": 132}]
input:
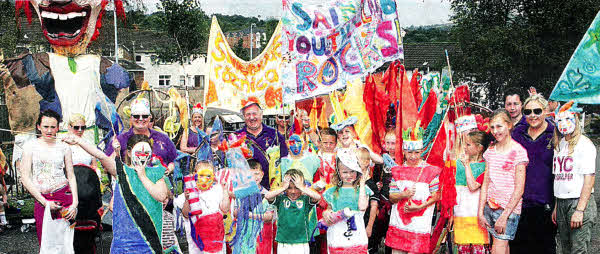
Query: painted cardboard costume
[{"x": 67, "y": 81}]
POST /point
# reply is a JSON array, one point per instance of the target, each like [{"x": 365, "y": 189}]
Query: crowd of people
[{"x": 520, "y": 183}]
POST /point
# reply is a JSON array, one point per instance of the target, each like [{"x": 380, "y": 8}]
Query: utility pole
[
  {"x": 251, "y": 39},
  {"x": 116, "y": 40}
]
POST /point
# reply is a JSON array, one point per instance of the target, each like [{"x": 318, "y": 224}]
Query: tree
[
  {"x": 240, "y": 51},
  {"x": 518, "y": 43},
  {"x": 9, "y": 33},
  {"x": 188, "y": 25}
]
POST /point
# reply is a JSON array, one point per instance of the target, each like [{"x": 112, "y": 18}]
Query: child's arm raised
[
  {"x": 225, "y": 204},
  {"x": 270, "y": 196},
  {"x": 299, "y": 182},
  {"x": 363, "y": 200}
]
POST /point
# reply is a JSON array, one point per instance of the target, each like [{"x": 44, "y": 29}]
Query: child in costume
[
  {"x": 307, "y": 163},
  {"x": 264, "y": 213},
  {"x": 413, "y": 193},
  {"x": 373, "y": 233},
  {"x": 323, "y": 176},
  {"x": 574, "y": 171},
  {"x": 469, "y": 236},
  {"x": 350, "y": 196},
  {"x": 293, "y": 202},
  {"x": 206, "y": 202},
  {"x": 503, "y": 184}
]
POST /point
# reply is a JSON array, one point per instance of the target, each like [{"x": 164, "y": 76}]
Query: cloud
[{"x": 412, "y": 12}]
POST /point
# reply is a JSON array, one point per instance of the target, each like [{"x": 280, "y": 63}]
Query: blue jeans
[{"x": 511, "y": 224}]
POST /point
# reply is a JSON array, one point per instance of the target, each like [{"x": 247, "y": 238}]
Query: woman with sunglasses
[
  {"x": 192, "y": 136},
  {"x": 81, "y": 157},
  {"x": 536, "y": 231}
]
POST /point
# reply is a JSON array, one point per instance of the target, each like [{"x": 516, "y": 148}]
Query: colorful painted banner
[
  {"x": 580, "y": 81},
  {"x": 332, "y": 42},
  {"x": 233, "y": 81}
]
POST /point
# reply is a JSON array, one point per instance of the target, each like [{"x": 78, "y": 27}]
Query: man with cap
[
  {"x": 260, "y": 137},
  {"x": 162, "y": 146},
  {"x": 413, "y": 193}
]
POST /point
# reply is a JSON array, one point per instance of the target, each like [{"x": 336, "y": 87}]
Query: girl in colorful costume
[
  {"x": 469, "y": 236},
  {"x": 413, "y": 193},
  {"x": 139, "y": 194},
  {"x": 574, "y": 175},
  {"x": 347, "y": 202},
  {"x": 503, "y": 185},
  {"x": 206, "y": 202}
]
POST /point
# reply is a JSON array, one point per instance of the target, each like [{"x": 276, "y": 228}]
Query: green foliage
[
  {"x": 427, "y": 34},
  {"x": 240, "y": 51},
  {"x": 517, "y": 44},
  {"x": 8, "y": 29},
  {"x": 187, "y": 24}
]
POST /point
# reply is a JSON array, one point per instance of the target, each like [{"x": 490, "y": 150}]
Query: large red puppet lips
[{"x": 65, "y": 25}]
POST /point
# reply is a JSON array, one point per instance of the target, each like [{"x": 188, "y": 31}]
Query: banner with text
[
  {"x": 329, "y": 43},
  {"x": 233, "y": 81}
]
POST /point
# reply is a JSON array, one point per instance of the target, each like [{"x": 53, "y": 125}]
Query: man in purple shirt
[
  {"x": 162, "y": 146},
  {"x": 536, "y": 232},
  {"x": 260, "y": 137}
]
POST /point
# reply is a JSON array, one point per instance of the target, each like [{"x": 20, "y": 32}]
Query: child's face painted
[
  {"x": 206, "y": 178},
  {"x": 140, "y": 154},
  {"x": 565, "y": 122},
  {"x": 295, "y": 144}
]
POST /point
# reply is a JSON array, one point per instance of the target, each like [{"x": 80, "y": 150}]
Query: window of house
[
  {"x": 199, "y": 81},
  {"x": 181, "y": 80},
  {"x": 138, "y": 58},
  {"x": 164, "y": 80}
]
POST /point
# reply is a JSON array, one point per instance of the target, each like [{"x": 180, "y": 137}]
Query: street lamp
[{"x": 251, "y": 39}]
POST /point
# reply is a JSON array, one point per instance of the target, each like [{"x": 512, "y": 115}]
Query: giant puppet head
[{"x": 69, "y": 25}]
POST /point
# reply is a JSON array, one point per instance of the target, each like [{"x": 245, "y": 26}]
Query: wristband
[{"x": 581, "y": 211}]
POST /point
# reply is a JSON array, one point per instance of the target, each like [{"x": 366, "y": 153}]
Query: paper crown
[
  {"x": 252, "y": 100},
  {"x": 412, "y": 138},
  {"x": 349, "y": 159},
  {"x": 197, "y": 109},
  {"x": 343, "y": 124},
  {"x": 140, "y": 106},
  {"x": 569, "y": 108},
  {"x": 465, "y": 123}
]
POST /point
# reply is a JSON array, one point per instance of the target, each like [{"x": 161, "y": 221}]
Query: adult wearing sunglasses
[
  {"x": 77, "y": 127},
  {"x": 192, "y": 136},
  {"x": 536, "y": 232},
  {"x": 162, "y": 146}
]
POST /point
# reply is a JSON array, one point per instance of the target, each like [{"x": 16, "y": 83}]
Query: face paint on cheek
[
  {"x": 566, "y": 125},
  {"x": 205, "y": 179},
  {"x": 140, "y": 154},
  {"x": 295, "y": 144}
]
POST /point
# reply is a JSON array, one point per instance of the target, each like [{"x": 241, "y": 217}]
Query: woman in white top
[
  {"x": 47, "y": 172},
  {"x": 77, "y": 127},
  {"x": 574, "y": 175}
]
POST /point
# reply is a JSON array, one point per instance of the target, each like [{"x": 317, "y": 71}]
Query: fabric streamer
[{"x": 247, "y": 198}]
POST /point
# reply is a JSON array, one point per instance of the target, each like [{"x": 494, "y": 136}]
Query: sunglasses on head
[
  {"x": 537, "y": 111},
  {"x": 138, "y": 117},
  {"x": 79, "y": 128}
]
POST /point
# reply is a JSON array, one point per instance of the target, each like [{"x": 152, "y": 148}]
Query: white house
[{"x": 163, "y": 75}]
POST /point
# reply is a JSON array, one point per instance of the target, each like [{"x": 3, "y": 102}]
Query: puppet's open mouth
[{"x": 65, "y": 25}]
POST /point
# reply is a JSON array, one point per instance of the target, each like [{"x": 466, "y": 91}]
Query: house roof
[
  {"x": 433, "y": 53},
  {"x": 126, "y": 64}
]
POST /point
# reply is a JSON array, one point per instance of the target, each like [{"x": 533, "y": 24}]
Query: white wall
[{"x": 154, "y": 70}]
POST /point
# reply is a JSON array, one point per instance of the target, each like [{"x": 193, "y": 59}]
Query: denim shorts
[{"x": 511, "y": 224}]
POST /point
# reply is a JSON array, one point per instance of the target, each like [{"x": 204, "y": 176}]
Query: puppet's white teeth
[{"x": 72, "y": 15}]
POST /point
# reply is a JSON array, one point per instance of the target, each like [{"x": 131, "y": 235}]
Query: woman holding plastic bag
[{"x": 47, "y": 173}]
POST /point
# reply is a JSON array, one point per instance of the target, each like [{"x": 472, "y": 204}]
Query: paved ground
[{"x": 13, "y": 241}]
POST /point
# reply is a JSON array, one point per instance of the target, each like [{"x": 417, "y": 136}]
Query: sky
[{"x": 412, "y": 12}]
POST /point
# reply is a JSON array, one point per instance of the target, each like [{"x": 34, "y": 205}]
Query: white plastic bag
[{"x": 57, "y": 235}]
